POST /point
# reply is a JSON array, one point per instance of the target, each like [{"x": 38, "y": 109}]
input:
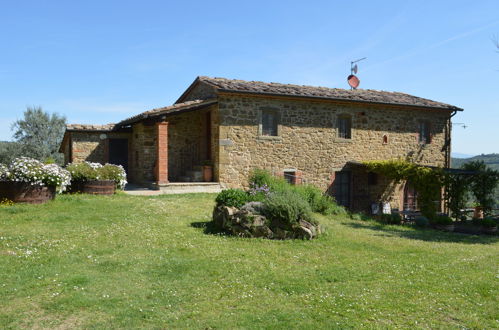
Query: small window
[
  {"x": 424, "y": 132},
  {"x": 345, "y": 127},
  {"x": 269, "y": 123},
  {"x": 290, "y": 177}
]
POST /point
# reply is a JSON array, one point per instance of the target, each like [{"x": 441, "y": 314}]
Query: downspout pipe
[{"x": 448, "y": 142}]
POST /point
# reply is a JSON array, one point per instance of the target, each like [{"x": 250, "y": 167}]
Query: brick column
[{"x": 162, "y": 153}]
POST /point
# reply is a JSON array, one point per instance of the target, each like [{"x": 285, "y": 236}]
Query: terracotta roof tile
[
  {"x": 178, "y": 107},
  {"x": 358, "y": 95},
  {"x": 89, "y": 127}
]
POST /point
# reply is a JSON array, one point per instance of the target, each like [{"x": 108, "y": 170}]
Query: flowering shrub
[
  {"x": 113, "y": 172},
  {"x": 88, "y": 171},
  {"x": 4, "y": 172},
  {"x": 34, "y": 172}
]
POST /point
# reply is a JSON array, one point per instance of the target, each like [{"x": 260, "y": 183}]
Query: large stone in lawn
[{"x": 249, "y": 221}]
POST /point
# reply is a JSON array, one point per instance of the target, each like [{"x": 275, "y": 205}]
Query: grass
[{"x": 129, "y": 262}]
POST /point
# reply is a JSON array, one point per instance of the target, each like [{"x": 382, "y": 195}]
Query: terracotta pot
[
  {"x": 22, "y": 192},
  {"x": 478, "y": 214},
  {"x": 207, "y": 173},
  {"x": 94, "y": 187}
]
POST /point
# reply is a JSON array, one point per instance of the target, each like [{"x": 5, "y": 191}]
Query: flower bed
[
  {"x": 28, "y": 180},
  {"x": 97, "y": 179}
]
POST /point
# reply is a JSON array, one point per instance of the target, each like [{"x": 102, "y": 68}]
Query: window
[
  {"x": 342, "y": 188},
  {"x": 424, "y": 132},
  {"x": 269, "y": 123},
  {"x": 344, "y": 127},
  {"x": 290, "y": 177}
]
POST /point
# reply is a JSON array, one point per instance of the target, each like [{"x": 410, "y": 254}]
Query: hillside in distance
[{"x": 491, "y": 160}]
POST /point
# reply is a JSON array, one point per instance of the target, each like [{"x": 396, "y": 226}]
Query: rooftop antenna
[
  {"x": 352, "y": 79},
  {"x": 463, "y": 125}
]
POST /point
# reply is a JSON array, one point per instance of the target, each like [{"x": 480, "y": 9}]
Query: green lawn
[{"x": 129, "y": 262}]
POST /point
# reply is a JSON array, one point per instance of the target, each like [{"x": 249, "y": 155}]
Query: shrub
[
  {"x": 287, "y": 207},
  {"x": 4, "y": 172},
  {"x": 393, "y": 219},
  {"x": 232, "y": 197},
  {"x": 86, "y": 171},
  {"x": 114, "y": 173},
  {"x": 258, "y": 193},
  {"x": 34, "y": 172},
  {"x": 488, "y": 222},
  {"x": 82, "y": 172},
  {"x": 260, "y": 178},
  {"x": 421, "y": 221},
  {"x": 262, "y": 183},
  {"x": 442, "y": 220}
]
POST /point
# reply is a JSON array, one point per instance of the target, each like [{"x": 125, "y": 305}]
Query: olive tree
[{"x": 39, "y": 134}]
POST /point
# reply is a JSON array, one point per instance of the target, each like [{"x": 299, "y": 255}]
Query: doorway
[{"x": 118, "y": 152}]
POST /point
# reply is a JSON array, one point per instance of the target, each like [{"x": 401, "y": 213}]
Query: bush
[
  {"x": 232, "y": 197},
  {"x": 114, "y": 173},
  {"x": 488, "y": 222},
  {"x": 422, "y": 221},
  {"x": 262, "y": 183},
  {"x": 442, "y": 220},
  {"x": 392, "y": 219},
  {"x": 288, "y": 207},
  {"x": 82, "y": 172},
  {"x": 260, "y": 178},
  {"x": 34, "y": 172},
  {"x": 86, "y": 171}
]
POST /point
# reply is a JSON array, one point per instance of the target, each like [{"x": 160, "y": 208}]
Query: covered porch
[{"x": 174, "y": 149}]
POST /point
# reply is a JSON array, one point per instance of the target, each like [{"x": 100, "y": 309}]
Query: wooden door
[{"x": 410, "y": 197}]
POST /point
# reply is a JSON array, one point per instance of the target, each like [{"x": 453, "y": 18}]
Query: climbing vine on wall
[{"x": 428, "y": 182}]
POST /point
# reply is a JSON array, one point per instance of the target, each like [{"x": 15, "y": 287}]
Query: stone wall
[
  {"x": 308, "y": 139},
  {"x": 187, "y": 141},
  {"x": 88, "y": 146},
  {"x": 143, "y": 153},
  {"x": 200, "y": 91}
]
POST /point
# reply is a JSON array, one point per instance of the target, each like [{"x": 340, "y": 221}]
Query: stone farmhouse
[{"x": 225, "y": 128}]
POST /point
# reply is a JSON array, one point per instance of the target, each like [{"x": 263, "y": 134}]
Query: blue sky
[{"x": 101, "y": 61}]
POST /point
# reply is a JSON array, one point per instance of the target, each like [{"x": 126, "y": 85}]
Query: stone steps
[{"x": 190, "y": 187}]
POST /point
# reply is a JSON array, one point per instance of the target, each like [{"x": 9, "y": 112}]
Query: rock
[
  {"x": 250, "y": 222},
  {"x": 262, "y": 231},
  {"x": 305, "y": 233},
  {"x": 222, "y": 215}
]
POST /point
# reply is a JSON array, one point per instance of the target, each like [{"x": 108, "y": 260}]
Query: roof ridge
[{"x": 332, "y": 93}]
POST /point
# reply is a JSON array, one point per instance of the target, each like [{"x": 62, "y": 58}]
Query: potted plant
[
  {"x": 443, "y": 222},
  {"x": 488, "y": 225},
  {"x": 208, "y": 171},
  {"x": 478, "y": 212},
  {"x": 28, "y": 180},
  {"x": 97, "y": 179}
]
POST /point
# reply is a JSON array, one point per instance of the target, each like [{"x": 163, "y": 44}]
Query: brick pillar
[
  {"x": 298, "y": 177},
  {"x": 162, "y": 153}
]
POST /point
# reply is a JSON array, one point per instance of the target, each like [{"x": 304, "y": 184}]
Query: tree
[
  {"x": 8, "y": 151},
  {"x": 483, "y": 183},
  {"x": 39, "y": 134}
]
